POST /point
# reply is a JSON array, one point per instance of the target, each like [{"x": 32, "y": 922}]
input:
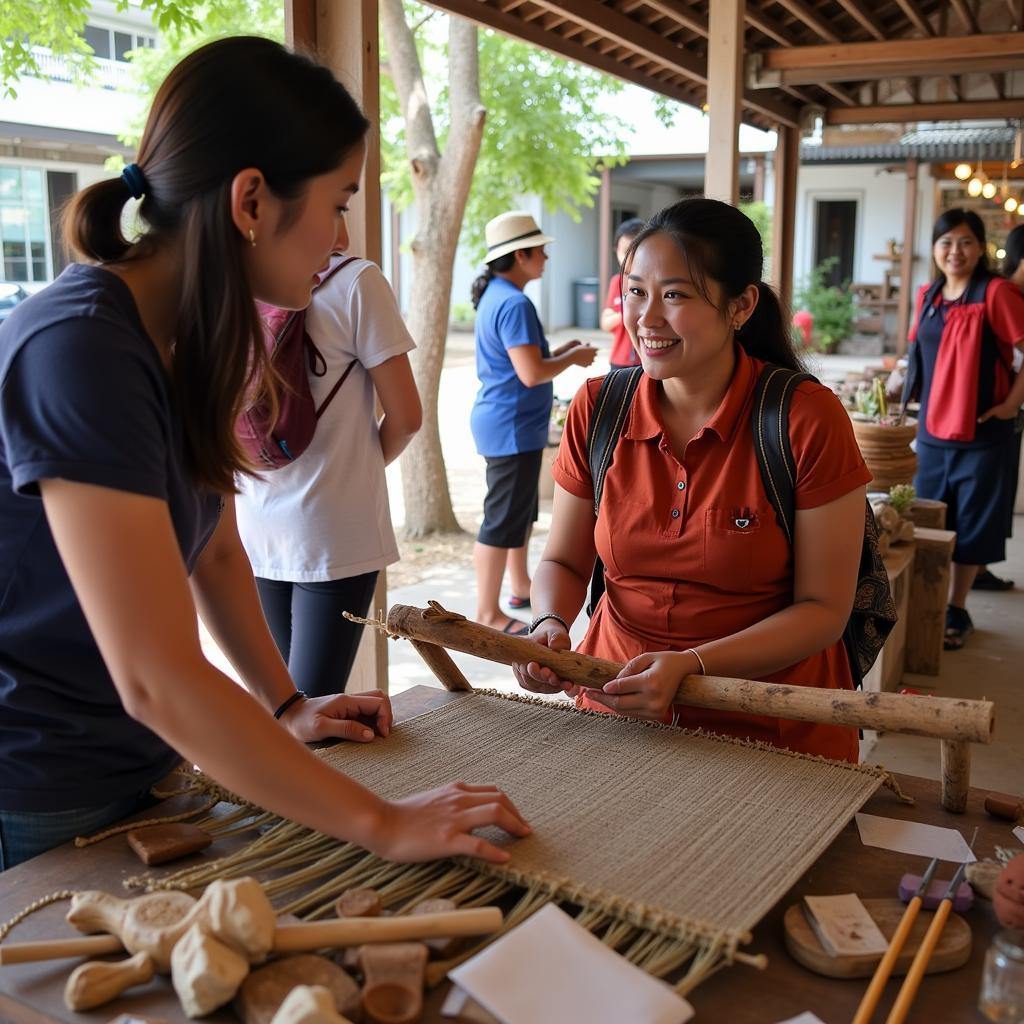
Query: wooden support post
[
  {"x": 956, "y": 775},
  {"x": 903, "y": 307},
  {"x": 440, "y": 662},
  {"x": 928, "y": 513},
  {"x": 787, "y": 165},
  {"x": 929, "y": 589},
  {"x": 759, "y": 178},
  {"x": 725, "y": 95},
  {"x": 604, "y": 233},
  {"x": 344, "y": 38}
]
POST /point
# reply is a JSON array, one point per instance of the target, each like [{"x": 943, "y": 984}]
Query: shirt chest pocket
[{"x": 743, "y": 548}]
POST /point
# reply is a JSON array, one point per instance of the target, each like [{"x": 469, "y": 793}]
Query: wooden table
[{"x": 31, "y": 993}]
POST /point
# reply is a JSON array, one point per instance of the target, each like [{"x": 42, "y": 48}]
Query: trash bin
[{"x": 586, "y": 298}]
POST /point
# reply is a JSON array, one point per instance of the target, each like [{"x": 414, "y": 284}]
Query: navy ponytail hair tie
[{"x": 133, "y": 177}]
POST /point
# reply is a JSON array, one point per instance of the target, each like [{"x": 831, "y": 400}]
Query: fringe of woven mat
[{"x": 310, "y": 871}]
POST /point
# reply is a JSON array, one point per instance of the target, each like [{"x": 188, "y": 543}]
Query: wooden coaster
[
  {"x": 157, "y": 844},
  {"x": 266, "y": 988},
  {"x": 952, "y": 951}
]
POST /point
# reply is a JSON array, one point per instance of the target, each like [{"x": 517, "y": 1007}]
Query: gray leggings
[{"x": 317, "y": 643}]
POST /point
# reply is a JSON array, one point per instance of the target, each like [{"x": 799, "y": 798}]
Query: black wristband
[{"x": 286, "y": 704}]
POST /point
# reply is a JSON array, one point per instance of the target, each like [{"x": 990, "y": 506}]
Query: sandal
[
  {"x": 511, "y": 629},
  {"x": 988, "y": 580},
  {"x": 958, "y": 628},
  {"x": 524, "y": 602}
]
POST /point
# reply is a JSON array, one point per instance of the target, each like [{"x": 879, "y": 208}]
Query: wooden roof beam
[
  {"x": 915, "y": 17},
  {"x": 810, "y": 17},
  {"x": 901, "y": 113},
  {"x": 867, "y": 20},
  {"x": 846, "y": 62},
  {"x": 606, "y": 21},
  {"x": 963, "y": 12}
]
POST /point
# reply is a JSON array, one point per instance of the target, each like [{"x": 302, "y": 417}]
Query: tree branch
[{"x": 407, "y": 74}]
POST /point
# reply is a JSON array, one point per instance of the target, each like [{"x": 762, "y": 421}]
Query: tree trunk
[{"x": 441, "y": 184}]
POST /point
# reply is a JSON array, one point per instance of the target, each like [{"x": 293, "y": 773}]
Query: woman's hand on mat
[
  {"x": 536, "y": 678},
  {"x": 1002, "y": 411},
  {"x": 440, "y": 823},
  {"x": 340, "y": 716},
  {"x": 646, "y": 686}
]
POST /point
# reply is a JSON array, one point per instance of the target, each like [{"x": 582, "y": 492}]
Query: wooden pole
[
  {"x": 903, "y": 308},
  {"x": 956, "y": 774},
  {"x": 725, "y": 96},
  {"x": 929, "y": 587},
  {"x": 940, "y": 717},
  {"x": 344, "y": 38},
  {"x": 604, "y": 232},
  {"x": 439, "y": 661},
  {"x": 787, "y": 164}
]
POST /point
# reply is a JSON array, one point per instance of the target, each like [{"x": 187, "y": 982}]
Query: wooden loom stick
[
  {"x": 439, "y": 661},
  {"x": 294, "y": 938},
  {"x": 939, "y": 717},
  {"x": 896, "y": 944}
]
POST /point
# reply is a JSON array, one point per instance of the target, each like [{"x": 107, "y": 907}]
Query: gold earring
[{"x": 252, "y": 238}]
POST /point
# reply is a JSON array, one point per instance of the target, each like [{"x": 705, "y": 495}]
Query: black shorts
[
  {"x": 512, "y": 503},
  {"x": 974, "y": 483}
]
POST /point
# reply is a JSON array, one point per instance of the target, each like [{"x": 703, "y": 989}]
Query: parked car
[{"x": 10, "y": 296}]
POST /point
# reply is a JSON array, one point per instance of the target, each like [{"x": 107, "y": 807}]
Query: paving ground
[{"x": 991, "y": 666}]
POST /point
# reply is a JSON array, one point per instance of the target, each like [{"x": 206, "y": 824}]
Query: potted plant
[
  {"x": 883, "y": 437},
  {"x": 831, "y": 309}
]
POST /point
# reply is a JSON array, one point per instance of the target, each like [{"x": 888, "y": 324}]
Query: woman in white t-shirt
[{"x": 319, "y": 531}]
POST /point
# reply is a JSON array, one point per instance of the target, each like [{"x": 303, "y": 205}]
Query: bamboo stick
[
  {"x": 911, "y": 983},
  {"x": 295, "y": 938},
  {"x": 896, "y": 944},
  {"x": 940, "y": 717}
]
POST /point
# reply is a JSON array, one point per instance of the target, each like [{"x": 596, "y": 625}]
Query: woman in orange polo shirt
[{"x": 699, "y": 576}]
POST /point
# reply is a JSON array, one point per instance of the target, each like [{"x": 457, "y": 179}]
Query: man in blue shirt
[{"x": 512, "y": 408}]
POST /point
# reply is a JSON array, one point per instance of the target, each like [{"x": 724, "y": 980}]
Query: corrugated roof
[{"x": 945, "y": 144}]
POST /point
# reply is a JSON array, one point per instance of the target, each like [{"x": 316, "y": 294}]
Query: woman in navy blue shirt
[
  {"x": 120, "y": 386},
  {"x": 512, "y": 410}
]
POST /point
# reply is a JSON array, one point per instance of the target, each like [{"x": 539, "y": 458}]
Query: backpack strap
[
  {"x": 606, "y": 423},
  {"x": 610, "y": 410},
  {"x": 770, "y": 423},
  {"x": 315, "y": 356}
]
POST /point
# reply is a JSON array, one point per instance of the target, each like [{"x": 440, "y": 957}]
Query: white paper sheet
[
  {"x": 549, "y": 970},
  {"x": 912, "y": 837},
  {"x": 1019, "y": 832},
  {"x": 804, "y": 1018}
]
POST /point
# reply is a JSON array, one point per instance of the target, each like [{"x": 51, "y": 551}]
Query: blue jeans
[{"x": 25, "y": 834}]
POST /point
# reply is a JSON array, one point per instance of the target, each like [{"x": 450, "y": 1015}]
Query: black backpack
[{"x": 874, "y": 612}]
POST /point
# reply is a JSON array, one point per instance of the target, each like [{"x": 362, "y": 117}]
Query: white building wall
[{"x": 880, "y": 195}]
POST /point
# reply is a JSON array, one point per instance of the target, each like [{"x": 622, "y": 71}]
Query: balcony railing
[{"x": 110, "y": 74}]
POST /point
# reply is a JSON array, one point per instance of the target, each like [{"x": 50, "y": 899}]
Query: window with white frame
[
  {"x": 115, "y": 44},
  {"x": 24, "y": 226}
]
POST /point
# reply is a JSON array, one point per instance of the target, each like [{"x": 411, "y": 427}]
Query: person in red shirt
[
  {"x": 699, "y": 575},
  {"x": 961, "y": 368},
  {"x": 622, "y": 353}
]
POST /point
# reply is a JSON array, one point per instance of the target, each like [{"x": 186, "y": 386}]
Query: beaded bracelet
[
  {"x": 548, "y": 615},
  {"x": 286, "y": 704}
]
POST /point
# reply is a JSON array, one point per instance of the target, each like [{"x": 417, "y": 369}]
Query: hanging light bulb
[
  {"x": 1011, "y": 204},
  {"x": 1000, "y": 254},
  {"x": 962, "y": 171},
  {"x": 974, "y": 187},
  {"x": 988, "y": 190}
]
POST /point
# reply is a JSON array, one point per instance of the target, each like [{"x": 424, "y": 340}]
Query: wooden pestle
[
  {"x": 295, "y": 938},
  {"x": 94, "y": 984}
]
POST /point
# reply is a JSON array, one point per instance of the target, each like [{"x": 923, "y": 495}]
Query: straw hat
[{"x": 511, "y": 231}]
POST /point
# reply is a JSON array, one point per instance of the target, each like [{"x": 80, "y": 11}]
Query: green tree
[{"x": 465, "y": 147}]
